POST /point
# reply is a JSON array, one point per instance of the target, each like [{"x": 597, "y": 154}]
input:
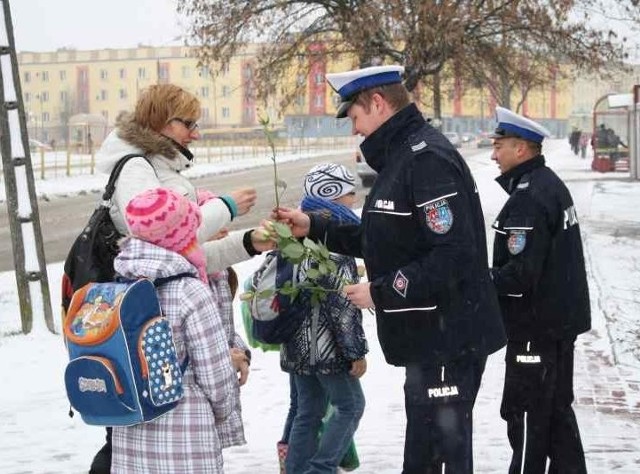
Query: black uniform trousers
[
  {"x": 536, "y": 404},
  {"x": 439, "y": 405},
  {"x": 101, "y": 463}
]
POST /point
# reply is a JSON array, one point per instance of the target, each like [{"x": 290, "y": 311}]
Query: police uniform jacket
[
  {"x": 423, "y": 242},
  {"x": 538, "y": 264}
]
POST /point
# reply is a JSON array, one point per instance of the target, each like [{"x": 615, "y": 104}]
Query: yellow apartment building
[{"x": 75, "y": 96}]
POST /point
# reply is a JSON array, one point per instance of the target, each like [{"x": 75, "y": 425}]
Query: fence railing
[{"x": 57, "y": 163}]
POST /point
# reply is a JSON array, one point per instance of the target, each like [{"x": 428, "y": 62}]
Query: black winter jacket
[
  {"x": 423, "y": 242},
  {"x": 538, "y": 264}
]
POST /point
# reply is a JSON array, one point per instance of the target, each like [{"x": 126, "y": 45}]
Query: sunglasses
[{"x": 190, "y": 124}]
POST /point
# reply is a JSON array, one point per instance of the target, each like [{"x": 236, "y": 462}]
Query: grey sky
[{"x": 45, "y": 25}]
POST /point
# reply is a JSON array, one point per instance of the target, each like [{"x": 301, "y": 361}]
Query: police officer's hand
[
  {"x": 245, "y": 199},
  {"x": 297, "y": 220},
  {"x": 359, "y": 294},
  {"x": 358, "y": 368}
]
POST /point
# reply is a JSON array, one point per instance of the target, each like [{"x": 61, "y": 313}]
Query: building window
[
  {"x": 319, "y": 78},
  {"x": 63, "y": 96},
  {"x": 142, "y": 73},
  {"x": 103, "y": 95},
  {"x": 226, "y": 91},
  {"x": 45, "y": 116},
  {"x": 104, "y": 74},
  {"x": 45, "y": 76},
  {"x": 204, "y": 92},
  {"x": 123, "y": 73},
  {"x": 204, "y": 114},
  {"x": 186, "y": 72},
  {"x": 44, "y": 97},
  {"x": 318, "y": 100},
  {"x": 225, "y": 112},
  {"x": 27, "y": 77},
  {"x": 203, "y": 71},
  {"x": 123, "y": 93},
  {"x": 63, "y": 75},
  {"x": 163, "y": 73},
  {"x": 83, "y": 76},
  {"x": 27, "y": 97}
]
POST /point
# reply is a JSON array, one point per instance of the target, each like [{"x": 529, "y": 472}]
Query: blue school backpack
[
  {"x": 276, "y": 317},
  {"x": 123, "y": 367}
]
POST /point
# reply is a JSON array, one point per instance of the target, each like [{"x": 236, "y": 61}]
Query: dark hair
[
  {"x": 395, "y": 94},
  {"x": 534, "y": 147}
]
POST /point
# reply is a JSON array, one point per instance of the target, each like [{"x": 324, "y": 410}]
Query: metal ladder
[{"x": 22, "y": 204}]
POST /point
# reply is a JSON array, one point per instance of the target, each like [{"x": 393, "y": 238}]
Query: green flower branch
[
  {"x": 295, "y": 250},
  {"x": 269, "y": 134}
]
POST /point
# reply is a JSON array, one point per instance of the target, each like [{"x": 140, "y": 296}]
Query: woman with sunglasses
[{"x": 160, "y": 130}]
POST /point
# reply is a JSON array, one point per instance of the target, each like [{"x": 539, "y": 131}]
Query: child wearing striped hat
[{"x": 326, "y": 356}]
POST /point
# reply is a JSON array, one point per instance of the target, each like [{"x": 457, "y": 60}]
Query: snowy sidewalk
[{"x": 37, "y": 437}]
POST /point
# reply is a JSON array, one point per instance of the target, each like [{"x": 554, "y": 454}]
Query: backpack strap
[
  {"x": 115, "y": 173},
  {"x": 158, "y": 282}
]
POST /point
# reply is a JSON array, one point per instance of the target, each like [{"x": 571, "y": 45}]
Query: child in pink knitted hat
[{"x": 166, "y": 219}]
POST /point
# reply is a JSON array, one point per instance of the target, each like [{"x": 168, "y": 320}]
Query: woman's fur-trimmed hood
[{"x": 129, "y": 137}]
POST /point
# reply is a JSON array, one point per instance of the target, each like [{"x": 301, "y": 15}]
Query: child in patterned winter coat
[
  {"x": 326, "y": 356},
  {"x": 163, "y": 226}
]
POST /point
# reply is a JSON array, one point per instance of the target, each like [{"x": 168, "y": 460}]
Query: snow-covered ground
[{"x": 37, "y": 436}]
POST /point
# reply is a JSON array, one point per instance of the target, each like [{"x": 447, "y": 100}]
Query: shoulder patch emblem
[
  {"x": 439, "y": 216},
  {"x": 517, "y": 241},
  {"x": 400, "y": 284}
]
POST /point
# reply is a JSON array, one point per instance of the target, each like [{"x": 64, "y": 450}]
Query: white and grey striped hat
[{"x": 329, "y": 181}]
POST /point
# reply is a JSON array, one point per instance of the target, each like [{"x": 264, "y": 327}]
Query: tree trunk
[{"x": 437, "y": 100}]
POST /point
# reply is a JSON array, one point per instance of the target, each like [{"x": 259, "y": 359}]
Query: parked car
[
  {"x": 468, "y": 137},
  {"x": 366, "y": 174},
  {"x": 36, "y": 146},
  {"x": 454, "y": 138},
  {"x": 484, "y": 141}
]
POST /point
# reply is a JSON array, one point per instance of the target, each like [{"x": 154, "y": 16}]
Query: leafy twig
[{"x": 270, "y": 136}]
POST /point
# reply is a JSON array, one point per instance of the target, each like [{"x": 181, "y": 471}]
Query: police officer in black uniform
[
  {"x": 423, "y": 241},
  {"x": 539, "y": 273}
]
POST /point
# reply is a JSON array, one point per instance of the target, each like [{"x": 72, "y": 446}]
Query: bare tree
[{"x": 489, "y": 38}]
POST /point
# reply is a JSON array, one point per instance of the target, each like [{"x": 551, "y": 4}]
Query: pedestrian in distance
[
  {"x": 574, "y": 140},
  {"x": 539, "y": 274},
  {"x": 422, "y": 238},
  {"x": 584, "y": 141},
  {"x": 326, "y": 355}
]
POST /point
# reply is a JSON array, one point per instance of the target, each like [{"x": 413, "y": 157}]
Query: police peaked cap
[
  {"x": 349, "y": 84},
  {"x": 511, "y": 124}
]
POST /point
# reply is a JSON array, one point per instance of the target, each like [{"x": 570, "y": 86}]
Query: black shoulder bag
[{"x": 92, "y": 253}]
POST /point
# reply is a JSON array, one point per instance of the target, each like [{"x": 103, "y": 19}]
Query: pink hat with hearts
[{"x": 167, "y": 219}]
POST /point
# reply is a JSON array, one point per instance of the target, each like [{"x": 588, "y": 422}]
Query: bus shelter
[
  {"x": 611, "y": 133},
  {"x": 86, "y": 132}
]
